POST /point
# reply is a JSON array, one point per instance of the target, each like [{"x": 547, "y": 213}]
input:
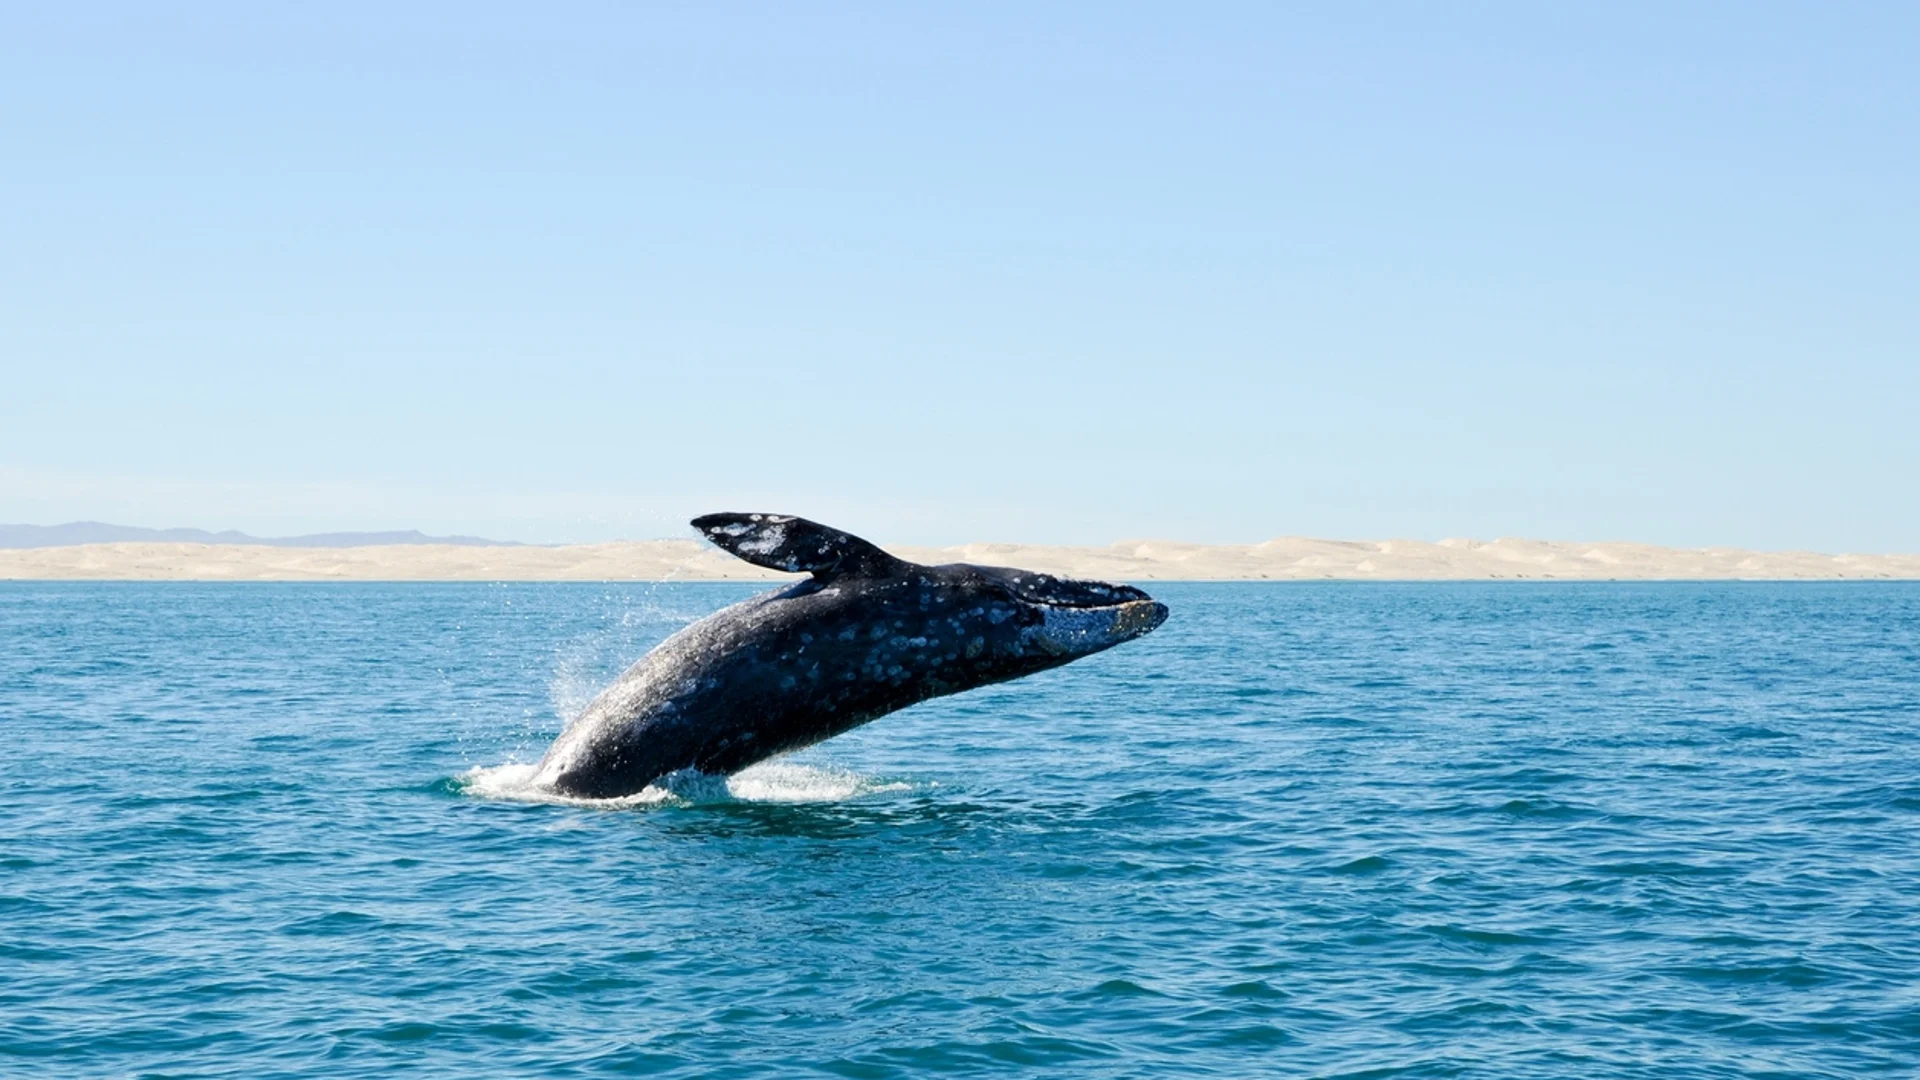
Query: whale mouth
[
  {"x": 1137, "y": 617},
  {"x": 1076, "y": 631}
]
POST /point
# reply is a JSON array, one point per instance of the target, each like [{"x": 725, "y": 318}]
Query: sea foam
[{"x": 768, "y": 782}]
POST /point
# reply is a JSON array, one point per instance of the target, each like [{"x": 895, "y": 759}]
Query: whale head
[
  {"x": 996, "y": 622},
  {"x": 1066, "y": 619},
  {"x": 1007, "y": 623}
]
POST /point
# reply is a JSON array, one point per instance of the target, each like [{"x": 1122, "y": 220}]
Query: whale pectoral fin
[{"x": 781, "y": 542}]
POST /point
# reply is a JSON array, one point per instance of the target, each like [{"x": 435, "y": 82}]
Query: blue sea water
[{"x": 1341, "y": 830}]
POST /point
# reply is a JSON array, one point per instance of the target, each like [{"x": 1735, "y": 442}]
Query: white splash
[
  {"x": 768, "y": 782},
  {"x": 590, "y": 662},
  {"x": 779, "y": 781}
]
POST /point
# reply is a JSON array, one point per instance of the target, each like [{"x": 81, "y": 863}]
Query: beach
[{"x": 1283, "y": 559}]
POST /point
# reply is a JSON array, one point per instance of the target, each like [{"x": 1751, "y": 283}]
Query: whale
[{"x": 863, "y": 635}]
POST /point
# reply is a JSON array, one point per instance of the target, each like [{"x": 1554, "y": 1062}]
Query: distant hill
[
  {"x": 1288, "y": 557},
  {"x": 99, "y": 532}
]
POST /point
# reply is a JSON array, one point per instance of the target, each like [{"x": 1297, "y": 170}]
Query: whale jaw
[{"x": 1070, "y": 632}]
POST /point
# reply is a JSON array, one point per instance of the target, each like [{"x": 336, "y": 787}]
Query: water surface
[{"x": 1577, "y": 830}]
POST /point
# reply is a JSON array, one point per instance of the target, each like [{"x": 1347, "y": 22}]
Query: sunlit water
[{"x": 1332, "y": 830}]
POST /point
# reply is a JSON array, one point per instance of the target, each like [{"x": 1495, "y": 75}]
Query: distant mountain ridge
[{"x": 99, "y": 532}]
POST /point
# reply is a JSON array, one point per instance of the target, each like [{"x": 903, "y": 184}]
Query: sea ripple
[{"x": 1336, "y": 830}]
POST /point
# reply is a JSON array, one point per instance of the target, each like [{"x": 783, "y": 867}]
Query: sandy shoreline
[{"x": 1287, "y": 558}]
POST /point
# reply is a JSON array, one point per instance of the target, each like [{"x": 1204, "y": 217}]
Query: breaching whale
[{"x": 865, "y": 635}]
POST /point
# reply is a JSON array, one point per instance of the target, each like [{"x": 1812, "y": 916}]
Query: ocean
[{"x": 1333, "y": 830}]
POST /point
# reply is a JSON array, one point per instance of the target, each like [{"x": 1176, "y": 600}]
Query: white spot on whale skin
[{"x": 767, "y": 542}]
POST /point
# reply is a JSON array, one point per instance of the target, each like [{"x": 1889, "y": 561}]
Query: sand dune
[{"x": 1287, "y": 558}]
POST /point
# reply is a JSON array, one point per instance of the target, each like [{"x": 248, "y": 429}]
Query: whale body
[{"x": 864, "y": 635}]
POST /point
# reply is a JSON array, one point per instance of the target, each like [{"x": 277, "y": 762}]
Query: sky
[{"x": 1061, "y": 273}]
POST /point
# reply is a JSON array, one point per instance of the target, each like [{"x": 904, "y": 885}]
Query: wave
[{"x": 768, "y": 782}]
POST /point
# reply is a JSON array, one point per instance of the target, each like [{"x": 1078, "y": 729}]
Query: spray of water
[
  {"x": 631, "y": 624},
  {"x": 768, "y": 782}
]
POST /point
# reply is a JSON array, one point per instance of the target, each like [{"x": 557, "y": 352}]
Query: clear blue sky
[{"x": 1063, "y": 273}]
